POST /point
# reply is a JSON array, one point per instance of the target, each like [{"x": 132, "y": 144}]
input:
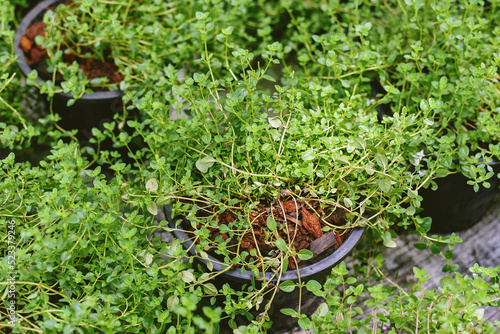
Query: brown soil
[
  {"x": 298, "y": 223},
  {"x": 36, "y": 56}
]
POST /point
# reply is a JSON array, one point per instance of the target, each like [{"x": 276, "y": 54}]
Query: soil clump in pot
[{"x": 302, "y": 224}]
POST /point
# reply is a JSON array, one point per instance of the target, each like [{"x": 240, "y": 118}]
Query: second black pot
[
  {"x": 455, "y": 206},
  {"x": 90, "y": 110}
]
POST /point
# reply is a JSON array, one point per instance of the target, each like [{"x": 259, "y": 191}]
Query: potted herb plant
[
  {"x": 434, "y": 62},
  {"x": 249, "y": 167},
  {"x": 20, "y": 130},
  {"x": 89, "y": 66},
  {"x": 356, "y": 303},
  {"x": 451, "y": 70}
]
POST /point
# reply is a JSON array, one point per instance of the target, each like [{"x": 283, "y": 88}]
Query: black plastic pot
[
  {"x": 455, "y": 206},
  {"x": 317, "y": 271},
  {"x": 91, "y": 110}
]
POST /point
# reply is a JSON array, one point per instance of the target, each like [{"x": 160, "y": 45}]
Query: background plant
[
  {"x": 416, "y": 56},
  {"x": 18, "y": 129}
]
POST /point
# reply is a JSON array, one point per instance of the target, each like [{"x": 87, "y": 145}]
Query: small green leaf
[
  {"x": 275, "y": 122},
  {"x": 152, "y": 208},
  {"x": 284, "y": 264},
  {"x": 384, "y": 184},
  {"x": 410, "y": 211},
  {"x": 345, "y": 83},
  {"x": 201, "y": 15},
  {"x": 207, "y": 138},
  {"x": 412, "y": 193},
  {"x": 381, "y": 160},
  {"x": 424, "y": 105},
  {"x": 290, "y": 312},
  {"x": 204, "y": 164},
  {"x": 73, "y": 219},
  {"x": 280, "y": 243},
  {"x": 209, "y": 289},
  {"x": 152, "y": 185},
  {"x": 390, "y": 244},
  {"x": 447, "y": 281},
  {"x": 435, "y": 249},
  {"x": 448, "y": 254},
  {"x": 425, "y": 224},
  {"x": 232, "y": 324},
  {"x": 347, "y": 202},
  {"x": 65, "y": 256},
  {"x": 149, "y": 258},
  {"x": 227, "y": 31},
  {"x": 322, "y": 310},
  {"x": 387, "y": 238},
  {"x": 172, "y": 302},
  {"x": 308, "y": 155},
  {"x": 287, "y": 286},
  {"x": 33, "y": 295},
  {"x": 271, "y": 223},
  {"x": 305, "y": 254},
  {"x": 187, "y": 276},
  {"x": 351, "y": 280},
  {"x": 163, "y": 200},
  {"x": 268, "y": 77},
  {"x": 204, "y": 255},
  {"x": 305, "y": 323}
]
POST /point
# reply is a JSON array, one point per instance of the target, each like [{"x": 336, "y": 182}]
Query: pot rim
[
  {"x": 305, "y": 273},
  {"x": 26, "y": 69}
]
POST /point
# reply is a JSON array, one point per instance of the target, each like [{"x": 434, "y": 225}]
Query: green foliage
[
  {"x": 354, "y": 104},
  {"x": 243, "y": 146},
  {"x": 84, "y": 258},
  {"x": 435, "y": 62}
]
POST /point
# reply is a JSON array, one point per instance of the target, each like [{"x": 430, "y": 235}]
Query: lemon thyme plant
[
  {"x": 454, "y": 70},
  {"x": 132, "y": 40},
  {"x": 243, "y": 147},
  {"x": 293, "y": 118},
  {"x": 137, "y": 40},
  {"x": 137, "y": 47},
  {"x": 85, "y": 260},
  {"x": 422, "y": 57}
]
